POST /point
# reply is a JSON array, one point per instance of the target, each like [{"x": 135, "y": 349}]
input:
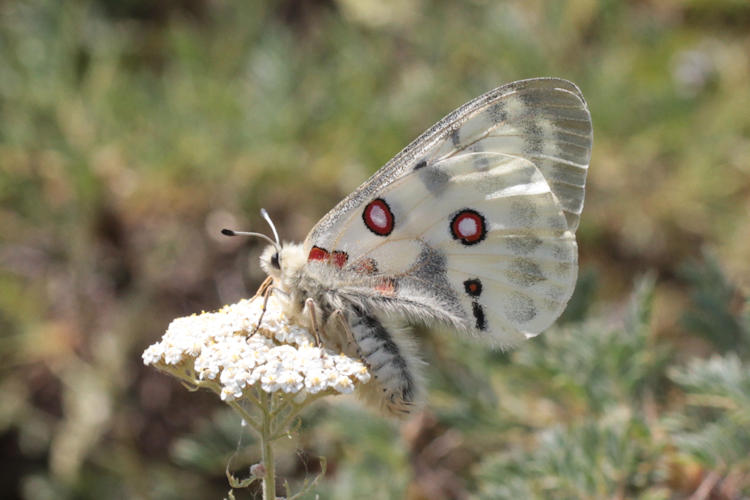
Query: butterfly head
[{"x": 283, "y": 261}]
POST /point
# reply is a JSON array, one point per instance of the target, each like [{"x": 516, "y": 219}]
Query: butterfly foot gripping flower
[{"x": 261, "y": 364}]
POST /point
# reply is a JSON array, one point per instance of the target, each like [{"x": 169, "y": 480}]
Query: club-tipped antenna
[
  {"x": 265, "y": 215},
  {"x": 230, "y": 232}
]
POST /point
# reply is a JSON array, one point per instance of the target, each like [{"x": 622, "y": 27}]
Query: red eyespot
[
  {"x": 473, "y": 287},
  {"x": 378, "y": 217},
  {"x": 468, "y": 226}
]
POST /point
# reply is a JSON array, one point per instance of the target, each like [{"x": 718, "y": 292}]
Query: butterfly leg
[
  {"x": 263, "y": 287},
  {"x": 268, "y": 289},
  {"x": 310, "y": 304},
  {"x": 338, "y": 315}
]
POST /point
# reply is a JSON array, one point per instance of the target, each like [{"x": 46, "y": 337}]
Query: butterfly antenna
[
  {"x": 229, "y": 232},
  {"x": 265, "y": 215}
]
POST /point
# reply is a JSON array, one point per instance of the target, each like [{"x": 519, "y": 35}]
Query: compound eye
[{"x": 275, "y": 261}]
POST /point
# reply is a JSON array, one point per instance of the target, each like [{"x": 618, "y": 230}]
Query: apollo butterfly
[{"x": 471, "y": 226}]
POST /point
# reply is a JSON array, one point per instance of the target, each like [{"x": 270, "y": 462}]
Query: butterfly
[{"x": 471, "y": 226}]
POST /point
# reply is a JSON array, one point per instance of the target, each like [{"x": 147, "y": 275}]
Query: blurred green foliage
[{"x": 131, "y": 131}]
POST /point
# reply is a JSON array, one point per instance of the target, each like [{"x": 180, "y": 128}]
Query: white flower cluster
[{"x": 280, "y": 356}]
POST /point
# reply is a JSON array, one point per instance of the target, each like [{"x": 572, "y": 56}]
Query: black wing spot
[
  {"x": 473, "y": 287},
  {"x": 455, "y": 138},
  {"x": 497, "y": 113},
  {"x": 534, "y": 140},
  {"x": 435, "y": 180},
  {"x": 421, "y": 164},
  {"x": 476, "y": 309}
]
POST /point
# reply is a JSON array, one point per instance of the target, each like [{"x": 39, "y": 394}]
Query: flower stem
[{"x": 266, "y": 439}]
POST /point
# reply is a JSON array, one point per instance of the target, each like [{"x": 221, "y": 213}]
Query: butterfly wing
[{"x": 473, "y": 223}]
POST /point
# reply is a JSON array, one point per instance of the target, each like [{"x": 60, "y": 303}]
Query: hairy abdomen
[{"x": 390, "y": 361}]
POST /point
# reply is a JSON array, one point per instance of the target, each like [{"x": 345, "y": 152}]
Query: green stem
[
  {"x": 283, "y": 428},
  {"x": 249, "y": 420},
  {"x": 269, "y": 479}
]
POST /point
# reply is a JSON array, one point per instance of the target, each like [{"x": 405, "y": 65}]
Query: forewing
[{"x": 473, "y": 223}]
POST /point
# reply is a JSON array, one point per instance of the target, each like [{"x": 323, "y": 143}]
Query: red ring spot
[
  {"x": 378, "y": 217},
  {"x": 317, "y": 253},
  {"x": 468, "y": 226}
]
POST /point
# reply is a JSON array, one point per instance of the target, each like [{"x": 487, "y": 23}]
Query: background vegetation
[{"x": 131, "y": 131}]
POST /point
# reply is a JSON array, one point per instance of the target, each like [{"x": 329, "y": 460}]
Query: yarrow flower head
[
  {"x": 262, "y": 364},
  {"x": 230, "y": 352}
]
